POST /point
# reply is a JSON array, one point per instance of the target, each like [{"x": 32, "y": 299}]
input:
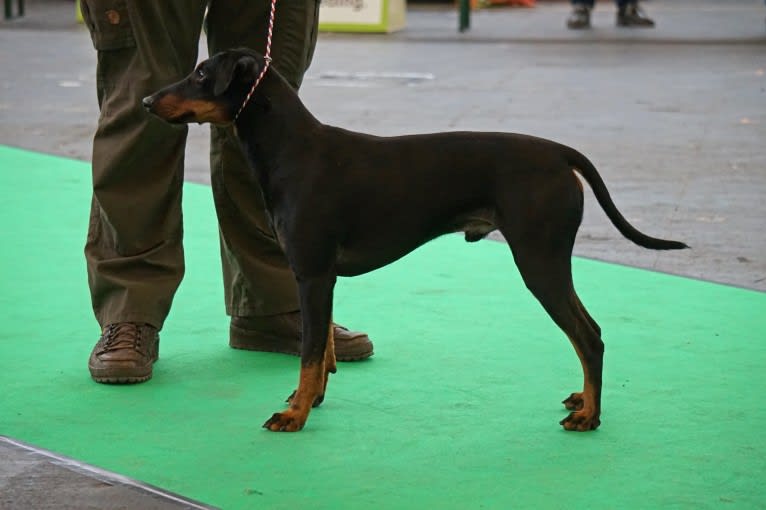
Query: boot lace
[{"x": 124, "y": 335}]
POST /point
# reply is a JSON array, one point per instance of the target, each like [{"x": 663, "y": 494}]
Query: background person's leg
[
  {"x": 629, "y": 14},
  {"x": 580, "y": 16}
]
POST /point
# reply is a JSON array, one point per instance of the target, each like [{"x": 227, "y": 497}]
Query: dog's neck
[
  {"x": 274, "y": 120},
  {"x": 275, "y": 128}
]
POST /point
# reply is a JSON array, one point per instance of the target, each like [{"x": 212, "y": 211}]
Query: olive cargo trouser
[{"x": 134, "y": 250}]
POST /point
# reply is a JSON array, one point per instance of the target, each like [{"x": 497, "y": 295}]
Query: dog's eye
[{"x": 200, "y": 73}]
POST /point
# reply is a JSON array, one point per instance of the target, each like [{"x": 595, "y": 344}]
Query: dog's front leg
[{"x": 317, "y": 362}]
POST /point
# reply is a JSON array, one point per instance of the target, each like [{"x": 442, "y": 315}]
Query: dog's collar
[{"x": 267, "y": 63}]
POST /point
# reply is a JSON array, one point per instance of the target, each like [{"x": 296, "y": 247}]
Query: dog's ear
[
  {"x": 232, "y": 68},
  {"x": 224, "y": 76}
]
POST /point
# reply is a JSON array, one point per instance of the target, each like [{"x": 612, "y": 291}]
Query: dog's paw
[
  {"x": 573, "y": 402},
  {"x": 580, "y": 422},
  {"x": 286, "y": 421}
]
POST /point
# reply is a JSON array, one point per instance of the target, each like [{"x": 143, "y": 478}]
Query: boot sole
[
  {"x": 121, "y": 380},
  {"x": 121, "y": 375}
]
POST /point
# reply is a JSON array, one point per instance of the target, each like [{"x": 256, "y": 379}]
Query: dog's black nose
[{"x": 148, "y": 101}]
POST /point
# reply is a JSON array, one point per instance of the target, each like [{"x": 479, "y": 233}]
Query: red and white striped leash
[{"x": 266, "y": 59}]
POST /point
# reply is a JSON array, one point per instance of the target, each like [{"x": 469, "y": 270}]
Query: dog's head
[{"x": 213, "y": 92}]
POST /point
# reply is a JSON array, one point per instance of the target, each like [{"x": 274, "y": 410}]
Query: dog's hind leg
[
  {"x": 549, "y": 278},
  {"x": 540, "y": 228},
  {"x": 543, "y": 253},
  {"x": 574, "y": 401}
]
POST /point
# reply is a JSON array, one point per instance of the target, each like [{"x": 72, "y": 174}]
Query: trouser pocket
[{"x": 109, "y": 24}]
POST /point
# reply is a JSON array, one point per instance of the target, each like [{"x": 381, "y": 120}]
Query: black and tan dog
[{"x": 345, "y": 203}]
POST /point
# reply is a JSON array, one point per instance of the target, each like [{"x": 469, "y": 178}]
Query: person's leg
[
  {"x": 134, "y": 248},
  {"x": 257, "y": 278},
  {"x": 580, "y": 16},
  {"x": 260, "y": 289},
  {"x": 629, "y": 14}
]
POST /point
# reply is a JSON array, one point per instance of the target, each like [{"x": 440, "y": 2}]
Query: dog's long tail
[{"x": 585, "y": 168}]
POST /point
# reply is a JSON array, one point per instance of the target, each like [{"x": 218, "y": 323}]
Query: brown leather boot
[
  {"x": 125, "y": 353},
  {"x": 282, "y": 333}
]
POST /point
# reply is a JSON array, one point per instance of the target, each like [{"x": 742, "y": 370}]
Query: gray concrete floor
[
  {"x": 674, "y": 117},
  {"x": 35, "y": 479}
]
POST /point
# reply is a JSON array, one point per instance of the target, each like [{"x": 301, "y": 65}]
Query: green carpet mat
[{"x": 459, "y": 408}]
